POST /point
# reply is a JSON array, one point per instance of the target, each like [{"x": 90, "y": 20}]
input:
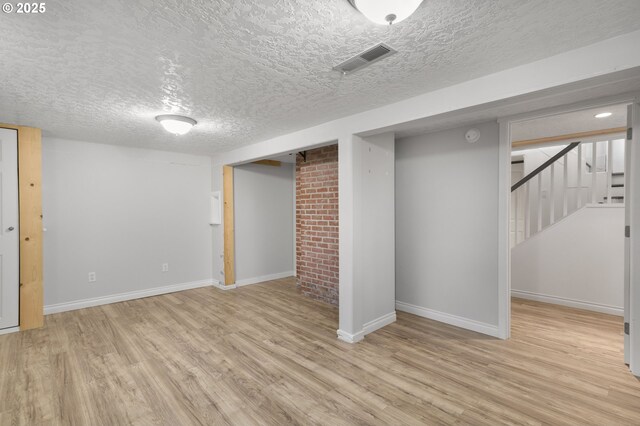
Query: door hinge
[
  {"x": 626, "y": 328},
  {"x": 627, "y": 231},
  {"x": 629, "y": 133}
]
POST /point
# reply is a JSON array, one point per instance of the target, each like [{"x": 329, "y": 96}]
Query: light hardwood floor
[{"x": 263, "y": 354}]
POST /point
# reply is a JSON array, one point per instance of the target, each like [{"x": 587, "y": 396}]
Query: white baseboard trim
[
  {"x": 571, "y": 303},
  {"x": 220, "y": 286},
  {"x": 121, "y": 297},
  {"x": 378, "y": 323},
  {"x": 350, "y": 338},
  {"x": 9, "y": 330},
  {"x": 369, "y": 327},
  {"x": 256, "y": 280},
  {"x": 477, "y": 326}
]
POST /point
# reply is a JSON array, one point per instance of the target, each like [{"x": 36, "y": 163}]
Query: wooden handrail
[{"x": 580, "y": 135}]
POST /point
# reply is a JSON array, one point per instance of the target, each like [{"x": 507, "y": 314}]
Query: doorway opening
[
  {"x": 285, "y": 222},
  {"x": 263, "y": 221},
  {"x": 569, "y": 257}
]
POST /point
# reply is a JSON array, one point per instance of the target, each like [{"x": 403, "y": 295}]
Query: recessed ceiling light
[
  {"x": 603, "y": 115},
  {"x": 386, "y": 12},
  {"x": 176, "y": 124}
]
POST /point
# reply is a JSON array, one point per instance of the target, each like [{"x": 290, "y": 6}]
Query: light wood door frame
[
  {"x": 229, "y": 227},
  {"x": 30, "y": 205},
  {"x": 273, "y": 163},
  {"x": 568, "y": 137}
]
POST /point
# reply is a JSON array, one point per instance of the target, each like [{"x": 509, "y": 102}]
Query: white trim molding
[
  {"x": 634, "y": 243},
  {"x": 468, "y": 324},
  {"x": 9, "y": 330},
  {"x": 378, "y": 323},
  {"x": 504, "y": 247},
  {"x": 350, "y": 338},
  {"x": 571, "y": 303},
  {"x": 217, "y": 284},
  {"x": 271, "y": 277},
  {"x": 122, "y": 297}
]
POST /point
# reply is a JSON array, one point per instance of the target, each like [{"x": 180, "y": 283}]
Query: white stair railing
[{"x": 558, "y": 187}]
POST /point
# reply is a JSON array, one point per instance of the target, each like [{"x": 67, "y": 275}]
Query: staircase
[{"x": 578, "y": 174}]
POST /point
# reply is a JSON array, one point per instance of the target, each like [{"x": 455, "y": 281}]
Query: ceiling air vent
[{"x": 365, "y": 58}]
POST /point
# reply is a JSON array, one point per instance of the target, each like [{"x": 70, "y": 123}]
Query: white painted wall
[
  {"x": 375, "y": 231},
  {"x": 367, "y": 234},
  {"x": 218, "y": 230},
  {"x": 350, "y": 326},
  {"x": 121, "y": 213},
  {"x": 447, "y": 227},
  {"x": 577, "y": 262},
  {"x": 264, "y": 222}
]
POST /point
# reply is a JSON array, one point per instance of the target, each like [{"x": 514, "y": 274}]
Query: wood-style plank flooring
[{"x": 264, "y": 354}]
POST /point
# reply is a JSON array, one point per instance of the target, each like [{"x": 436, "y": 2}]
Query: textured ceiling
[{"x": 246, "y": 70}]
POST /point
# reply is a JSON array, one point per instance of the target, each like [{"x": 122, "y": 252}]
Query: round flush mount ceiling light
[
  {"x": 176, "y": 124},
  {"x": 386, "y": 12},
  {"x": 603, "y": 115}
]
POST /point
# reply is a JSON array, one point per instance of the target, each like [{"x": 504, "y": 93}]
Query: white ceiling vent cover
[{"x": 366, "y": 58}]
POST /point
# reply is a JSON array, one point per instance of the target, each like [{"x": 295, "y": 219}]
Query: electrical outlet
[
  {"x": 165, "y": 267},
  {"x": 92, "y": 277}
]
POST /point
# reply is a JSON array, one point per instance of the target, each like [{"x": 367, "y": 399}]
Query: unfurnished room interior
[{"x": 330, "y": 212}]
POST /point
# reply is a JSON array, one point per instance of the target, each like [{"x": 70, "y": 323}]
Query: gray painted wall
[
  {"x": 375, "y": 233},
  {"x": 578, "y": 261},
  {"x": 264, "y": 220},
  {"x": 447, "y": 223},
  {"x": 121, "y": 213}
]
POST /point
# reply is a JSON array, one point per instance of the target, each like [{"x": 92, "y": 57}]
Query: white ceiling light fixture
[
  {"x": 603, "y": 115},
  {"x": 386, "y": 12},
  {"x": 176, "y": 124}
]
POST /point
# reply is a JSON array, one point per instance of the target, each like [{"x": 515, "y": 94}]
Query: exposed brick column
[{"x": 317, "y": 224}]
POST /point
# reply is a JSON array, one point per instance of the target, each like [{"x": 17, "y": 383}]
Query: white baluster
[
  {"x": 580, "y": 162},
  {"x": 565, "y": 186},
  {"x": 594, "y": 169},
  {"x": 539, "y": 202},
  {"x": 609, "y": 171},
  {"x": 515, "y": 194},
  {"x": 552, "y": 195},
  {"x": 527, "y": 215}
]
